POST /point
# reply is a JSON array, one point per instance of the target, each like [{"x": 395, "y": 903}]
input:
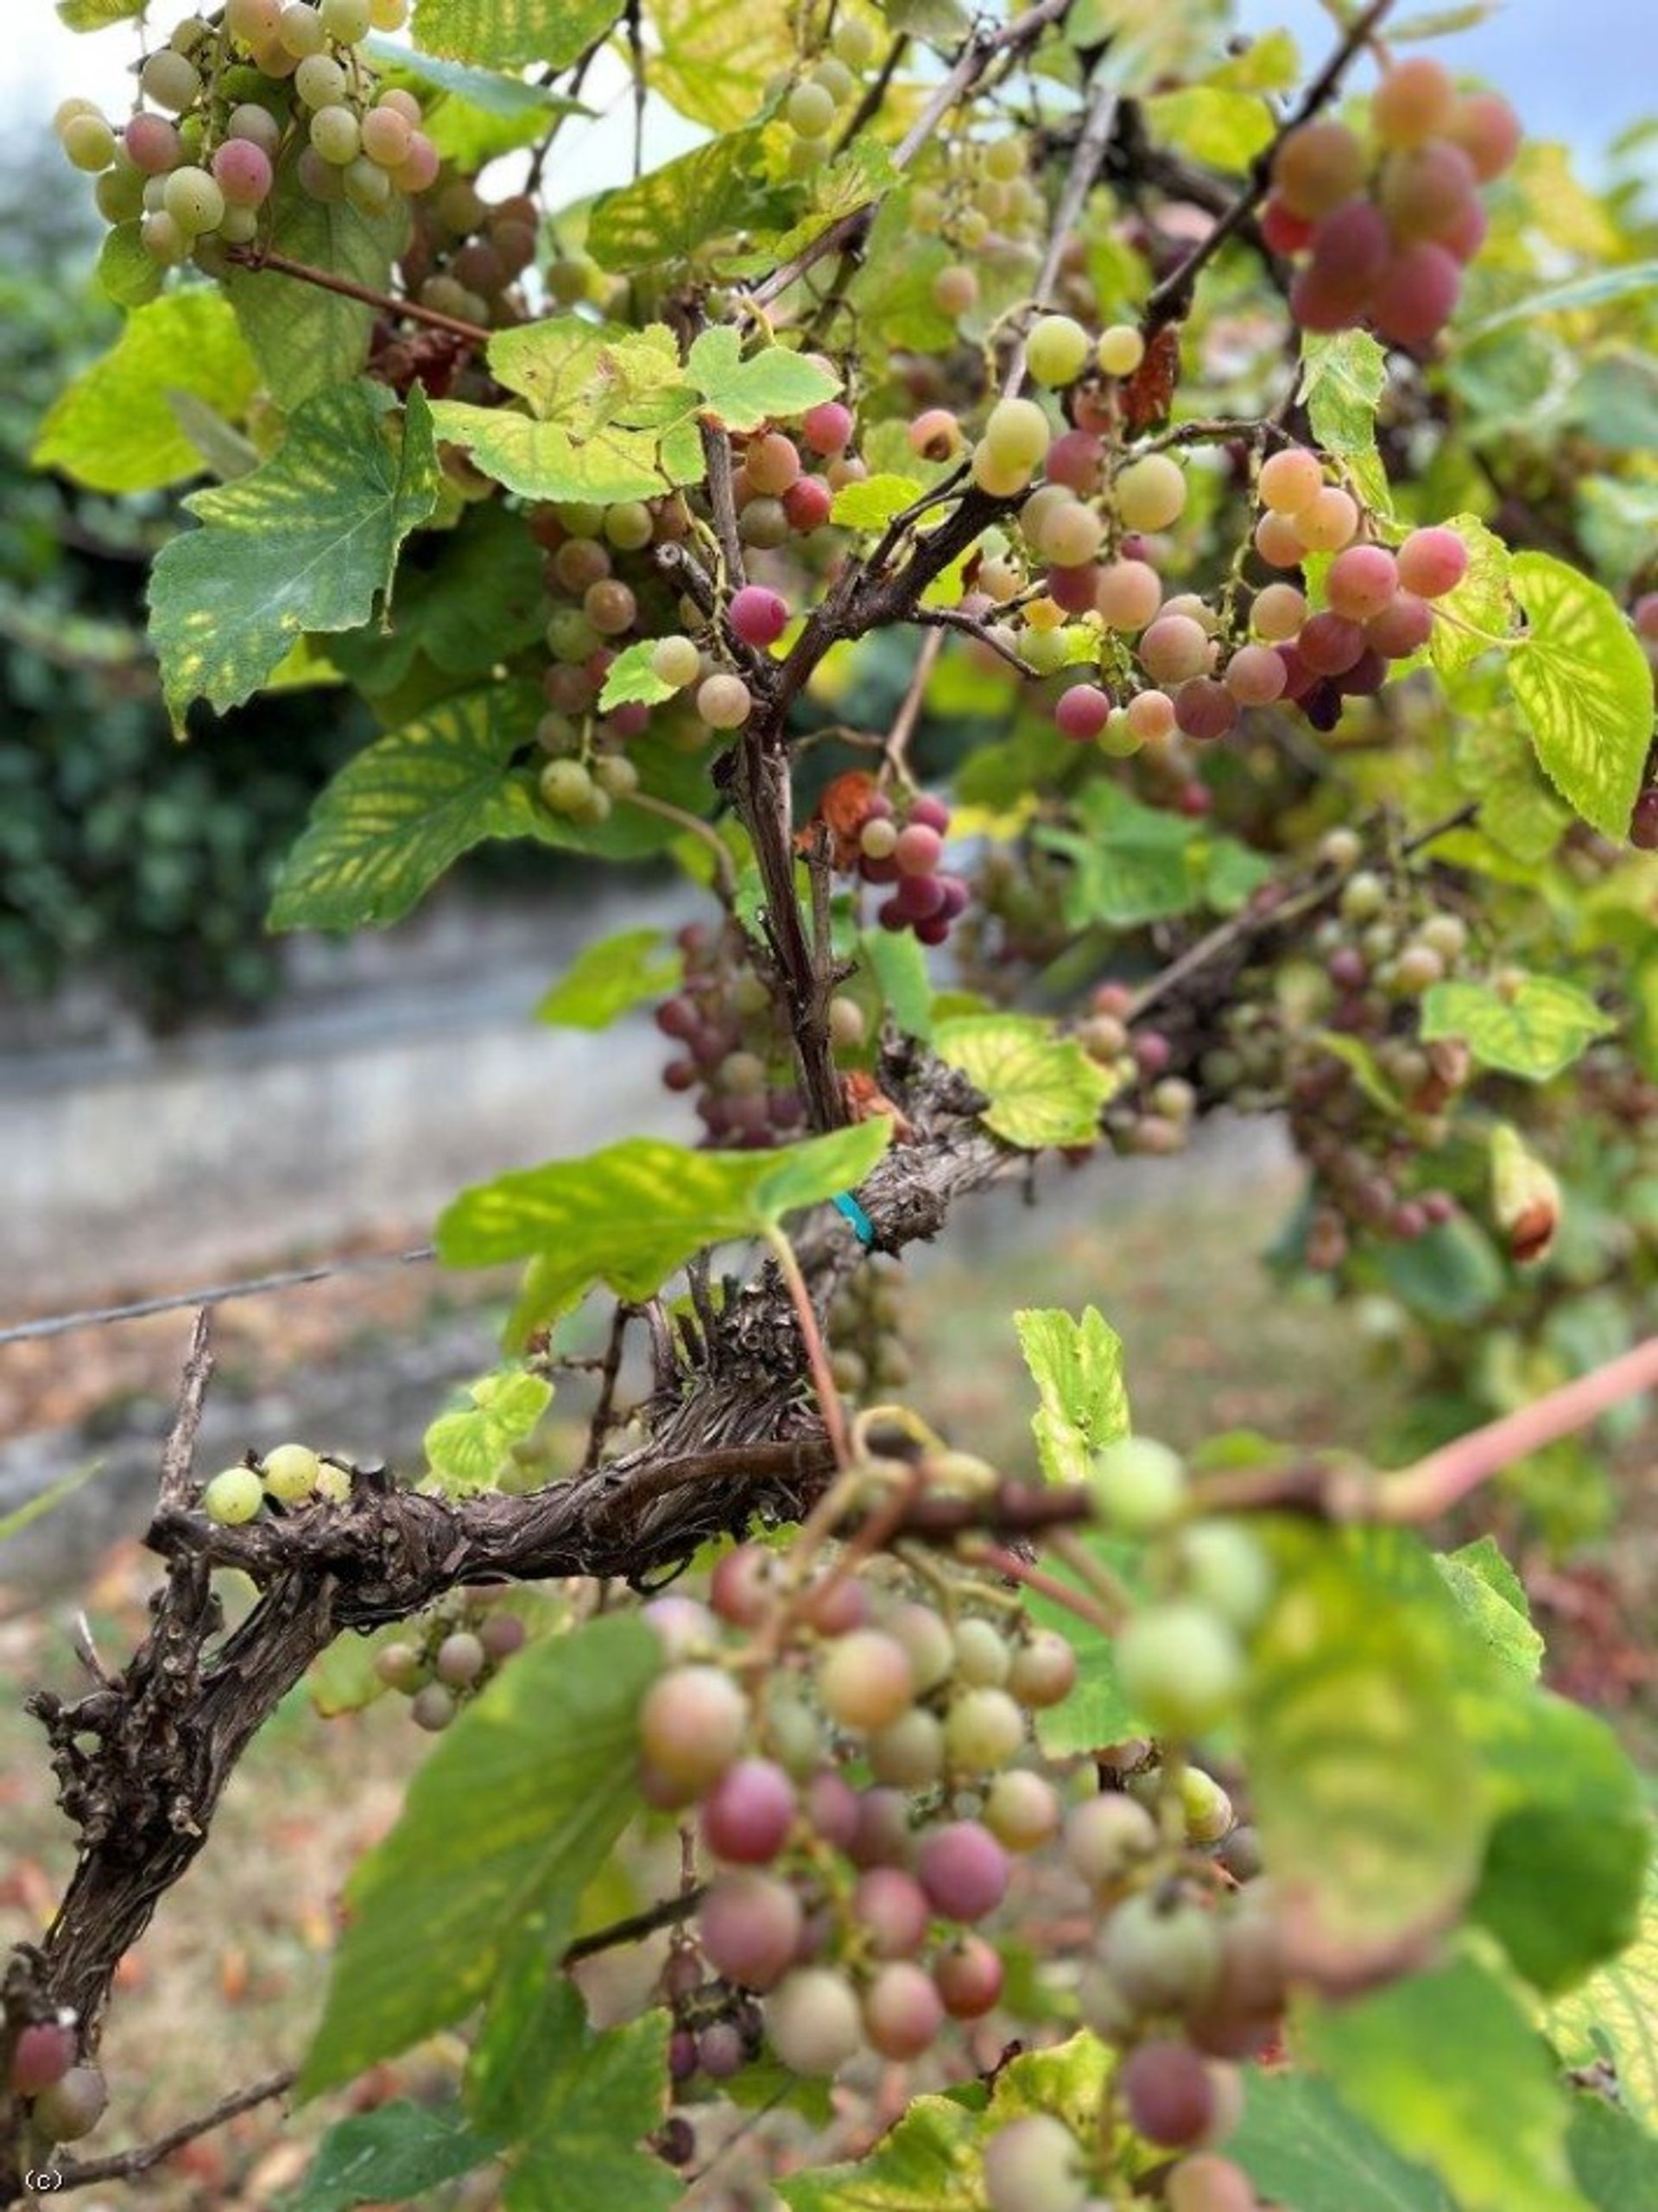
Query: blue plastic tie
[{"x": 862, "y": 1227}]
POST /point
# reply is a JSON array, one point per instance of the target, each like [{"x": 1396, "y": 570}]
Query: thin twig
[
  {"x": 694, "y": 825},
  {"x": 823, "y": 1382},
  {"x": 894, "y": 761},
  {"x": 258, "y": 258},
  {"x": 127, "y": 2165},
  {"x": 637, "y": 1926},
  {"x": 174, "y": 1302}
]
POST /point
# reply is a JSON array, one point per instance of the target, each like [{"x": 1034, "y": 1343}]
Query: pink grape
[
  {"x": 1367, "y": 675},
  {"x": 1414, "y": 100},
  {"x": 1151, "y": 716},
  {"x": 1361, "y": 581},
  {"x": 1330, "y": 522},
  {"x": 827, "y": 428},
  {"x": 153, "y": 145},
  {"x": 743, "y": 1586},
  {"x": 1284, "y": 231},
  {"x": 749, "y": 1928},
  {"x": 1414, "y": 294},
  {"x": 1042, "y": 1671},
  {"x": 1349, "y": 248},
  {"x": 73, "y": 2105},
  {"x": 935, "y": 435},
  {"x": 1255, "y": 675},
  {"x": 881, "y": 1835},
  {"x": 1424, "y": 192},
  {"x": 832, "y": 1807},
  {"x": 892, "y": 1910},
  {"x": 1278, "y": 541},
  {"x": 1488, "y": 130},
  {"x": 902, "y": 2010},
  {"x": 919, "y": 849},
  {"x": 1021, "y": 1809},
  {"x": 42, "y": 2054},
  {"x": 1174, "y": 649},
  {"x": 1465, "y": 238},
  {"x": 242, "y": 173},
  {"x": 759, "y": 617},
  {"x": 969, "y": 1973},
  {"x": 1317, "y": 167},
  {"x": 1128, "y": 594},
  {"x": 1076, "y": 458},
  {"x": 773, "y": 463},
  {"x": 931, "y": 813},
  {"x": 1074, "y": 589},
  {"x": 1432, "y": 562},
  {"x": 747, "y": 1815},
  {"x": 1081, "y": 712},
  {"x": 692, "y": 1724},
  {"x": 962, "y": 1869},
  {"x": 1168, "y": 2092},
  {"x": 1208, "y": 2183},
  {"x": 806, "y": 504},
  {"x": 1290, "y": 480},
  {"x": 1279, "y": 611}
]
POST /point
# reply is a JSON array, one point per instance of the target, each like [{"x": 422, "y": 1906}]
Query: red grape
[
  {"x": 747, "y": 1815},
  {"x": 1432, "y": 562},
  {"x": 750, "y": 1927},
  {"x": 1413, "y": 296},
  {"x": 962, "y": 1869},
  {"x": 1169, "y": 2093}
]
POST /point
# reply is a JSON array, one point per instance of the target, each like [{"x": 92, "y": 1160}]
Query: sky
[{"x": 1581, "y": 70}]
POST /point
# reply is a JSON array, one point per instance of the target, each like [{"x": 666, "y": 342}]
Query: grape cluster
[
  {"x": 1387, "y": 225},
  {"x": 466, "y": 254},
  {"x": 736, "y": 1051},
  {"x": 229, "y": 101},
  {"x": 450, "y": 1655},
  {"x": 980, "y": 200},
  {"x": 1151, "y": 1111},
  {"x": 867, "y": 1353},
  {"x": 896, "y": 840},
  {"x": 66, "y": 2099},
  {"x": 290, "y": 1475},
  {"x": 817, "y": 103}
]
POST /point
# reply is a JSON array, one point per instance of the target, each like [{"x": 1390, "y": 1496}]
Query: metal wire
[{"x": 216, "y": 1294}]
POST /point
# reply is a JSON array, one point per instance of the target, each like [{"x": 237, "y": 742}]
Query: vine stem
[
  {"x": 816, "y": 1354},
  {"x": 283, "y": 264},
  {"x": 1433, "y": 1485},
  {"x": 1032, "y": 1577},
  {"x": 1170, "y": 300},
  {"x": 127, "y": 2165},
  {"x": 694, "y": 825}
]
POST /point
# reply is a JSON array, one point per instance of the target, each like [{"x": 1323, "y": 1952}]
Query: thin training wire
[{"x": 216, "y": 1295}]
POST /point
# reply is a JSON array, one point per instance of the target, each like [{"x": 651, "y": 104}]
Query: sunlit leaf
[
  {"x": 1042, "y": 1088},
  {"x": 115, "y": 429},
  {"x": 1585, "y": 689}
]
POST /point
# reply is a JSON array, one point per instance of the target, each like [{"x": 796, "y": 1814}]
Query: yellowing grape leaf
[
  {"x": 1077, "y": 1367},
  {"x": 1043, "y": 1089},
  {"x": 716, "y": 60},
  {"x": 1533, "y": 1030},
  {"x": 1585, "y": 689},
  {"x": 467, "y": 1447},
  {"x": 503, "y": 33}
]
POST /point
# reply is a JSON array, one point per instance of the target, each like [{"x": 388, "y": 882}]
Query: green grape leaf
[
  {"x": 1077, "y": 1367},
  {"x": 899, "y": 966},
  {"x": 1492, "y": 1602},
  {"x": 307, "y": 339},
  {"x": 1585, "y": 689},
  {"x": 97, "y": 14},
  {"x": 115, "y": 429},
  {"x": 604, "y": 979},
  {"x": 871, "y": 504},
  {"x": 1299, "y": 2144},
  {"x": 1614, "y": 2158},
  {"x": 1343, "y": 378},
  {"x": 1617, "y": 2007},
  {"x": 1494, "y": 763},
  {"x": 630, "y": 1214},
  {"x": 672, "y": 213},
  {"x": 1213, "y": 123},
  {"x": 397, "y": 2151},
  {"x": 1132, "y": 864},
  {"x": 543, "y": 460},
  {"x": 716, "y": 61},
  {"x": 503, "y": 33},
  {"x": 1533, "y": 1030},
  {"x": 1427, "y": 2062},
  {"x": 1629, "y": 279},
  {"x": 1479, "y": 611},
  {"x": 1043, "y": 1089},
  {"x": 126, "y": 273},
  {"x": 631, "y": 680},
  {"x": 501, "y": 1828},
  {"x": 307, "y": 543},
  {"x": 405, "y": 809},
  {"x": 1368, "y": 1801},
  {"x": 772, "y": 384},
  {"x": 1452, "y": 1274},
  {"x": 573, "y": 2101},
  {"x": 928, "y": 2162},
  {"x": 467, "y": 1447},
  {"x": 469, "y": 598}
]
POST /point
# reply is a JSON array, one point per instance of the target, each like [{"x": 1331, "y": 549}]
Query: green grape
[
  {"x": 1151, "y": 493},
  {"x": 1205, "y": 1806},
  {"x": 195, "y": 201},
  {"x": 89, "y": 142},
  {"x": 1034, "y": 2164},
  {"x": 1121, "y": 350},
  {"x": 1181, "y": 1667},
  {"x": 853, "y": 41},
  {"x": 171, "y": 81},
  {"x": 1057, "y": 352},
  {"x": 984, "y": 1658},
  {"x": 1138, "y": 1484},
  {"x": 1225, "y": 1566},
  {"x": 233, "y": 1496},
  {"x": 1017, "y": 434},
  {"x": 320, "y": 82},
  {"x": 162, "y": 239},
  {"x": 348, "y": 21},
  {"x": 810, "y": 110},
  {"x": 1162, "y": 1952},
  {"x": 336, "y": 135},
  {"x": 291, "y": 1473},
  {"x": 983, "y": 1730},
  {"x": 676, "y": 661}
]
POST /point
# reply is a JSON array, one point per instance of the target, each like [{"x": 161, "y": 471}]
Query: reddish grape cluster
[
  {"x": 896, "y": 842},
  {"x": 445, "y": 1657},
  {"x": 736, "y": 1054},
  {"x": 1386, "y": 228},
  {"x": 65, "y": 2099}
]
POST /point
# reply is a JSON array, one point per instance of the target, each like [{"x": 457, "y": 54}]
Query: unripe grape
[
  {"x": 902, "y": 2012},
  {"x": 119, "y": 193},
  {"x": 1426, "y": 193},
  {"x": 1414, "y": 100},
  {"x": 1057, "y": 352},
  {"x": 909, "y": 1754},
  {"x": 890, "y": 1908},
  {"x": 320, "y": 82},
  {"x": 1151, "y": 493},
  {"x": 878, "y": 839},
  {"x": 461, "y": 1659},
  {"x": 1034, "y": 2164},
  {"x": 1225, "y": 1567},
  {"x": 758, "y": 616},
  {"x": 195, "y": 201},
  {"x": 242, "y": 173},
  {"x": 925, "y": 1639},
  {"x": 1290, "y": 481},
  {"x": 1278, "y": 541},
  {"x": 1167, "y": 2093},
  {"x": 1329, "y": 522},
  {"x": 813, "y": 2020},
  {"x": 1174, "y": 649},
  {"x": 42, "y": 2055},
  {"x": 300, "y": 32},
  {"x": 676, "y": 661},
  {"x": 1447, "y": 934},
  {"x": 565, "y": 787},
  {"x": 1071, "y": 535},
  {"x": 258, "y": 125},
  {"x": 969, "y": 1974},
  {"x": 1208, "y": 2183},
  {"x": 388, "y": 15},
  {"x": 335, "y": 136},
  {"x": 162, "y": 239},
  {"x": 962, "y": 1869},
  {"x": 291, "y": 1471},
  {"x": 1432, "y": 562},
  {"x": 865, "y": 1679},
  {"x": 747, "y": 1817},
  {"x": 1120, "y": 351},
  {"x": 89, "y": 142},
  {"x": 853, "y": 41},
  {"x": 1181, "y": 1667},
  {"x": 1043, "y": 1670},
  {"x": 1138, "y": 1485},
  {"x": 1151, "y": 716},
  {"x": 72, "y": 2105},
  {"x": 983, "y": 1729},
  {"x": 772, "y": 463},
  {"x": 724, "y": 702},
  {"x": 433, "y": 1708},
  {"x": 233, "y": 1496},
  {"x": 750, "y": 1927},
  {"x": 1107, "y": 1837},
  {"x": 1017, "y": 434},
  {"x": 1316, "y": 167},
  {"x": 1021, "y": 1809},
  {"x": 170, "y": 81},
  {"x": 501, "y": 1635},
  {"x": 692, "y": 1724},
  {"x": 810, "y": 108},
  {"x": 955, "y": 292},
  {"x": 256, "y": 21},
  {"x": 348, "y": 21},
  {"x": 1163, "y": 1953}
]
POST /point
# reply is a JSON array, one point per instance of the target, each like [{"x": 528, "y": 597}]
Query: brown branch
[
  {"x": 1171, "y": 300},
  {"x": 128, "y": 2166},
  {"x": 637, "y": 1926},
  {"x": 266, "y": 258}
]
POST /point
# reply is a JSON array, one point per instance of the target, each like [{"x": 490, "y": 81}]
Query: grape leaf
[
  {"x": 126, "y": 274},
  {"x": 397, "y": 2151},
  {"x": 1343, "y": 378},
  {"x": 1585, "y": 689},
  {"x": 898, "y": 966},
  {"x": 672, "y": 213},
  {"x": 114, "y": 429},
  {"x": 1614, "y": 2159},
  {"x": 308, "y": 542},
  {"x": 501, "y": 1828},
  {"x": 1077, "y": 1367},
  {"x": 1131, "y": 863},
  {"x": 97, "y": 14},
  {"x": 543, "y": 460},
  {"x": 630, "y": 680},
  {"x": 1452, "y": 1274},
  {"x": 715, "y": 61},
  {"x": 468, "y": 1447},
  {"x": 1494, "y": 763},
  {"x": 1429, "y": 2061},
  {"x": 631, "y": 1214},
  {"x": 1492, "y": 1601},
  {"x": 771, "y": 383},
  {"x": 1043, "y": 1089},
  {"x": 575, "y": 2102},
  {"x": 1213, "y": 123},
  {"x": 1533, "y": 1030},
  {"x": 1481, "y": 601},
  {"x": 1628, "y": 279},
  {"x": 506, "y": 33},
  {"x": 870, "y": 504},
  {"x": 604, "y": 979},
  {"x": 1618, "y": 2006},
  {"x": 1299, "y": 2144}
]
